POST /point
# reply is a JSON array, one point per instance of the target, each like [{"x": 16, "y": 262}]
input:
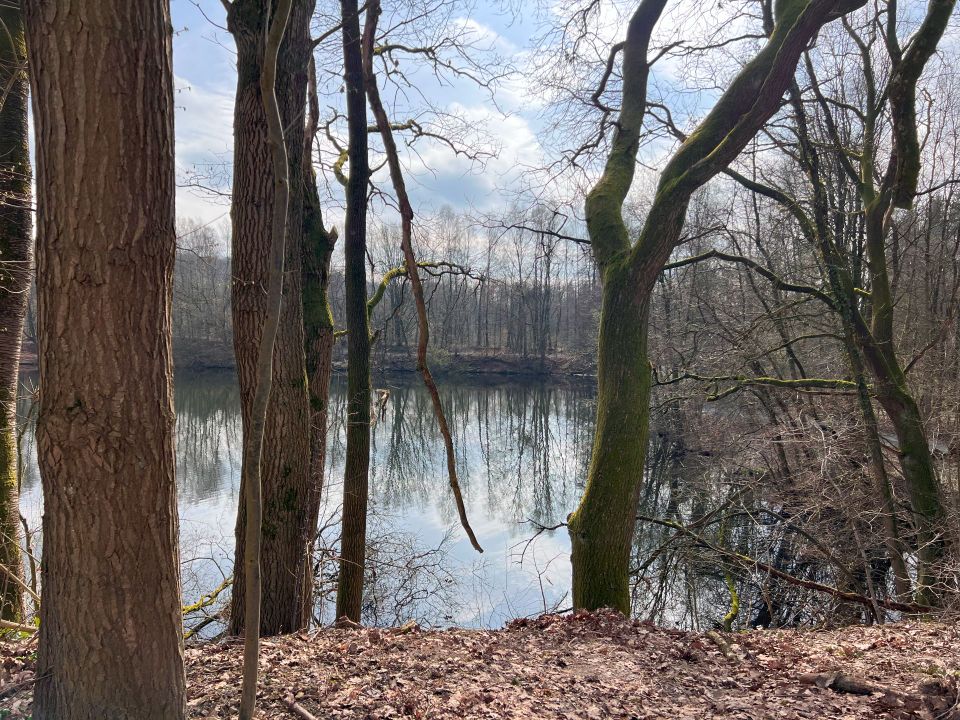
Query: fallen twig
[
  {"x": 12, "y": 688},
  {"x": 726, "y": 649},
  {"x": 8, "y": 625},
  {"x": 298, "y": 709},
  {"x": 839, "y": 682}
]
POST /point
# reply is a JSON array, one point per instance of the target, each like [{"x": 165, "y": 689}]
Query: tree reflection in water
[{"x": 523, "y": 448}]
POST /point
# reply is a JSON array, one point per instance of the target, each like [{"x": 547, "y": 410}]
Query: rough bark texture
[
  {"x": 253, "y": 441},
  {"x": 16, "y": 259},
  {"x": 319, "y": 338},
  {"x": 285, "y": 465},
  {"x": 357, "y": 466},
  {"x": 110, "y": 625}
]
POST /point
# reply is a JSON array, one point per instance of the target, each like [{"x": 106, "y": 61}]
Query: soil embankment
[{"x": 572, "y": 667}]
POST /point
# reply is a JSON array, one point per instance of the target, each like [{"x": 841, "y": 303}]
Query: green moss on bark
[{"x": 602, "y": 527}]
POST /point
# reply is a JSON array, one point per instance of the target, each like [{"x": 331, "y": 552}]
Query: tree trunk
[
  {"x": 253, "y": 442},
  {"x": 601, "y": 529},
  {"x": 110, "y": 625},
  {"x": 884, "y": 492},
  {"x": 357, "y": 467},
  {"x": 916, "y": 463},
  {"x": 285, "y": 465},
  {"x": 16, "y": 258},
  {"x": 318, "y": 343}
]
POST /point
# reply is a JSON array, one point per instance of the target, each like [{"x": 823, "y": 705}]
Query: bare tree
[{"x": 601, "y": 529}]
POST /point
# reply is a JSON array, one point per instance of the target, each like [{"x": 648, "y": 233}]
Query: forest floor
[{"x": 573, "y": 667}]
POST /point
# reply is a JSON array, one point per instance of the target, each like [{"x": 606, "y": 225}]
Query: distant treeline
[{"x": 503, "y": 301}]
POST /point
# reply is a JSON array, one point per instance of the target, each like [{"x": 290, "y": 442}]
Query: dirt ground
[{"x": 590, "y": 666}]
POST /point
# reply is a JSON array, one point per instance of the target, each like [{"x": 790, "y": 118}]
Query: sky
[
  {"x": 204, "y": 69},
  {"x": 515, "y": 127}
]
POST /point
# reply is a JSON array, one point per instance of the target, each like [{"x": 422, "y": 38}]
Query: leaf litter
[{"x": 581, "y": 666}]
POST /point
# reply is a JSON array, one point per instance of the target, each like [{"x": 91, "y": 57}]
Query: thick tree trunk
[
  {"x": 601, "y": 529},
  {"x": 110, "y": 625},
  {"x": 285, "y": 465},
  {"x": 16, "y": 258},
  {"x": 357, "y": 467}
]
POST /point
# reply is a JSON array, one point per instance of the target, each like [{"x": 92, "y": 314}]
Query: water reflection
[
  {"x": 523, "y": 451},
  {"x": 522, "y": 448}
]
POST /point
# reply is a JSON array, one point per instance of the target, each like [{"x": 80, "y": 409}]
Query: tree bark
[
  {"x": 285, "y": 466},
  {"x": 110, "y": 624},
  {"x": 601, "y": 529},
  {"x": 357, "y": 466},
  {"x": 897, "y": 188},
  {"x": 16, "y": 259},
  {"x": 318, "y": 331},
  {"x": 253, "y": 443},
  {"x": 916, "y": 462}
]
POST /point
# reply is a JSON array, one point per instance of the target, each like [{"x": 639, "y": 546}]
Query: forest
[{"x": 479, "y": 359}]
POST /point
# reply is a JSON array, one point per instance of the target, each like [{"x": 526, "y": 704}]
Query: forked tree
[
  {"x": 110, "y": 624},
  {"x": 895, "y": 102},
  {"x": 838, "y": 144},
  {"x": 602, "y": 527}
]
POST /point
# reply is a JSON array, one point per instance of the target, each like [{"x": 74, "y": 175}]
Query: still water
[{"x": 522, "y": 451}]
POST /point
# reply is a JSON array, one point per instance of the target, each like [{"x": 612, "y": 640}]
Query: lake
[{"x": 522, "y": 453}]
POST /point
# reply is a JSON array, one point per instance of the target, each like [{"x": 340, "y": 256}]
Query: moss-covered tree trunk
[
  {"x": 881, "y": 481},
  {"x": 357, "y": 466},
  {"x": 923, "y": 486},
  {"x": 16, "y": 259},
  {"x": 859, "y": 342},
  {"x": 601, "y": 529},
  {"x": 895, "y": 397},
  {"x": 896, "y": 189},
  {"x": 285, "y": 465}
]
